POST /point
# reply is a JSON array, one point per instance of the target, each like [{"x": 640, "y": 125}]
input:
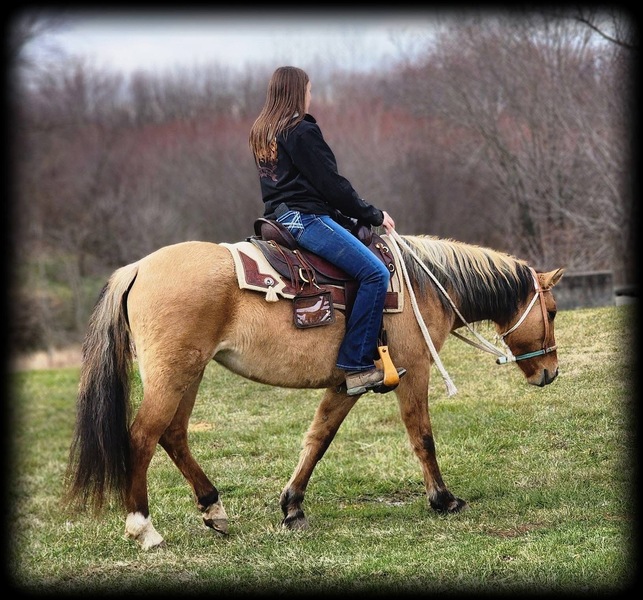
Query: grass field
[{"x": 548, "y": 474}]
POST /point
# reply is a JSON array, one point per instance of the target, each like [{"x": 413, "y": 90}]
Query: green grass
[{"x": 548, "y": 474}]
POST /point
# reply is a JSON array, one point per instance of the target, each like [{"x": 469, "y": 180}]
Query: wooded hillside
[{"x": 513, "y": 133}]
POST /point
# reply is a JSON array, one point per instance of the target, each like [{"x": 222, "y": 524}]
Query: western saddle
[{"x": 305, "y": 268}]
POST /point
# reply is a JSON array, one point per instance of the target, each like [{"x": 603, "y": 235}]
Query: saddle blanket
[{"x": 254, "y": 272}]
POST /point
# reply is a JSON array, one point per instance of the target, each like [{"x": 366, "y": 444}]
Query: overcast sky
[{"x": 158, "y": 40}]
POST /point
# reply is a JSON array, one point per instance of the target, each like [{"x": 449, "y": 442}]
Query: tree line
[{"x": 513, "y": 133}]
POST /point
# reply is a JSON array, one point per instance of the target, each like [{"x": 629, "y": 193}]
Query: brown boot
[{"x": 360, "y": 382}]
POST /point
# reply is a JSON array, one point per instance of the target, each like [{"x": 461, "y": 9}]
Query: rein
[
  {"x": 485, "y": 345},
  {"x": 451, "y": 389}
]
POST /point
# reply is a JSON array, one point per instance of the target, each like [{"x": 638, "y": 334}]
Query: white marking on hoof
[
  {"x": 140, "y": 528},
  {"x": 215, "y": 516}
]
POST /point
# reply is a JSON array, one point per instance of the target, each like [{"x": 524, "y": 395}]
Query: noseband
[{"x": 539, "y": 294}]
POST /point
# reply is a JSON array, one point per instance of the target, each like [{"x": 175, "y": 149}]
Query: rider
[{"x": 302, "y": 189}]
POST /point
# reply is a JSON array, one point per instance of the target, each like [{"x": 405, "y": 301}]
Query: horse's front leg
[
  {"x": 330, "y": 414},
  {"x": 412, "y": 395}
]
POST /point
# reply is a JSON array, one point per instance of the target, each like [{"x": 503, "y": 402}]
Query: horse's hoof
[
  {"x": 448, "y": 503},
  {"x": 296, "y": 522},
  {"x": 160, "y": 546},
  {"x": 219, "y": 525},
  {"x": 458, "y": 505},
  {"x": 140, "y": 528},
  {"x": 216, "y": 518},
  {"x": 149, "y": 542}
]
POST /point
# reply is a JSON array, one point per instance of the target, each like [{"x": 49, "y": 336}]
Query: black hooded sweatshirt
[{"x": 305, "y": 179}]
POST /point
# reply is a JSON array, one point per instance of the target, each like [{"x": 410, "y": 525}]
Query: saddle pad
[{"x": 254, "y": 272}]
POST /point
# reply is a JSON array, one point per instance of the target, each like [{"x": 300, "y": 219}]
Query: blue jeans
[{"x": 323, "y": 236}]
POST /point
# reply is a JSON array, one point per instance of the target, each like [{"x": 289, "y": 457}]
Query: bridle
[
  {"x": 484, "y": 344},
  {"x": 539, "y": 294}
]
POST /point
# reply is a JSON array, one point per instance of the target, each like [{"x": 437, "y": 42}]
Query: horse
[{"x": 181, "y": 307}]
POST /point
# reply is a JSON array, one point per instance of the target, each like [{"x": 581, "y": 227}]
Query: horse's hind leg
[
  {"x": 175, "y": 442},
  {"x": 412, "y": 395},
  {"x": 330, "y": 414},
  {"x": 166, "y": 423},
  {"x": 162, "y": 418},
  {"x": 154, "y": 415}
]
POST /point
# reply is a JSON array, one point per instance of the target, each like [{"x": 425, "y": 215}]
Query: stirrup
[
  {"x": 391, "y": 376},
  {"x": 384, "y": 389}
]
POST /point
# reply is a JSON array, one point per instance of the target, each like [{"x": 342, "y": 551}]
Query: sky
[{"x": 157, "y": 40}]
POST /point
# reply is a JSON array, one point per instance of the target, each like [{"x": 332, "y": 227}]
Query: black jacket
[{"x": 305, "y": 178}]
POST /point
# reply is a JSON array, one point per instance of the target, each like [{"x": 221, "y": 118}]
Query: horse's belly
[{"x": 278, "y": 354}]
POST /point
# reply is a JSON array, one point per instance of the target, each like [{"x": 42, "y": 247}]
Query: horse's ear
[{"x": 549, "y": 280}]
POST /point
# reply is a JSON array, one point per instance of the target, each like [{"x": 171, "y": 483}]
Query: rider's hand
[{"x": 388, "y": 223}]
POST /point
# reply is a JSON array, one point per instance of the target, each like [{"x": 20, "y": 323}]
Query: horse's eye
[{"x": 551, "y": 314}]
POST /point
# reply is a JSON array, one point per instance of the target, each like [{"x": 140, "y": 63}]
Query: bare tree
[
  {"x": 616, "y": 27},
  {"x": 534, "y": 97},
  {"x": 611, "y": 23}
]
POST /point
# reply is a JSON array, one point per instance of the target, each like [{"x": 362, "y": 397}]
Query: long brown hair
[{"x": 286, "y": 97}]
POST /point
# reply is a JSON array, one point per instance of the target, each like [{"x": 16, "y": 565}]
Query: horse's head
[{"x": 530, "y": 336}]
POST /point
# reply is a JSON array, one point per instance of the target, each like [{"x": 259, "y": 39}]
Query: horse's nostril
[{"x": 547, "y": 378}]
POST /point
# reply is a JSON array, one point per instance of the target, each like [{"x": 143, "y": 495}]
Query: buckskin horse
[{"x": 181, "y": 307}]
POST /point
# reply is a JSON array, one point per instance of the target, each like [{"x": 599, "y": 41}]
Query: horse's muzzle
[{"x": 546, "y": 378}]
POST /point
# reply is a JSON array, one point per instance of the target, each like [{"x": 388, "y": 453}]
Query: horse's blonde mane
[{"x": 480, "y": 279}]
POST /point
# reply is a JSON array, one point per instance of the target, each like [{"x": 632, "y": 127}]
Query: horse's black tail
[{"x": 99, "y": 457}]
